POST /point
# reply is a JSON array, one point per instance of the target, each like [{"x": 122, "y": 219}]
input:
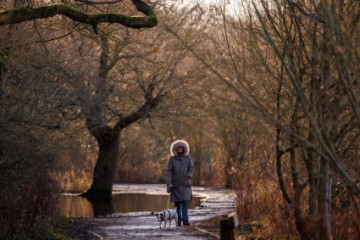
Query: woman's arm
[
  {"x": 169, "y": 172},
  {"x": 191, "y": 168}
]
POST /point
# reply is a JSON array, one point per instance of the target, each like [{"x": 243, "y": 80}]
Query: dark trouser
[{"x": 182, "y": 209}]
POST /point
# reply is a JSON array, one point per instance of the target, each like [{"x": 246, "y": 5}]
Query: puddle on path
[{"x": 75, "y": 206}]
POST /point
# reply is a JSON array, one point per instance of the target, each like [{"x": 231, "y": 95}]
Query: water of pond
[{"x": 75, "y": 206}]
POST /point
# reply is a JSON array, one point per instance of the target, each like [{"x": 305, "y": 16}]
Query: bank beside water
[
  {"x": 72, "y": 205},
  {"x": 143, "y": 225}
]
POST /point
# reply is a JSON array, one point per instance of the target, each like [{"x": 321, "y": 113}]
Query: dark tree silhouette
[{"x": 107, "y": 137}]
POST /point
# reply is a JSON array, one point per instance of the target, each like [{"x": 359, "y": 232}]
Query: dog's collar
[{"x": 163, "y": 216}]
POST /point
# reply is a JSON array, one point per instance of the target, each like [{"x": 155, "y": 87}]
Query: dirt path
[{"x": 143, "y": 225}]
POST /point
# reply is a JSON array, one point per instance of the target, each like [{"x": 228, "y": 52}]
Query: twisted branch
[{"x": 18, "y": 15}]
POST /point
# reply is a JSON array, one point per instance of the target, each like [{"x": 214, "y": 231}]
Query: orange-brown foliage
[{"x": 259, "y": 200}]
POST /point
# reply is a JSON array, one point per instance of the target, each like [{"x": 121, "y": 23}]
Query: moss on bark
[{"x": 18, "y": 15}]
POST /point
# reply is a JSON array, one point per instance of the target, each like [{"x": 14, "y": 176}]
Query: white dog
[{"x": 167, "y": 216}]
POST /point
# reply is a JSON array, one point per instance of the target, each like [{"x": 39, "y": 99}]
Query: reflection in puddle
[{"x": 75, "y": 206}]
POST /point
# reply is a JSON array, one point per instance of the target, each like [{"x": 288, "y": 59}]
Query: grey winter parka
[{"x": 179, "y": 173}]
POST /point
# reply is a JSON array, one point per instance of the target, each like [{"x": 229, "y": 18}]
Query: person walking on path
[{"x": 178, "y": 179}]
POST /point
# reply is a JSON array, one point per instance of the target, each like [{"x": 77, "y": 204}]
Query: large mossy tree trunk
[
  {"x": 108, "y": 138},
  {"x": 108, "y": 141}
]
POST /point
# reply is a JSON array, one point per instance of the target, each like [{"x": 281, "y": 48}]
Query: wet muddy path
[{"x": 144, "y": 225}]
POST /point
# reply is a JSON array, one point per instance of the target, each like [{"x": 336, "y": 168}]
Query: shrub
[{"x": 27, "y": 208}]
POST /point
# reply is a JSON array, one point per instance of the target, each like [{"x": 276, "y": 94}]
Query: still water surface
[{"x": 75, "y": 206}]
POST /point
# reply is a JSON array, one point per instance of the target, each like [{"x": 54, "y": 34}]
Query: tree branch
[
  {"x": 98, "y": 2},
  {"x": 141, "y": 112},
  {"x": 313, "y": 17},
  {"x": 18, "y": 15}
]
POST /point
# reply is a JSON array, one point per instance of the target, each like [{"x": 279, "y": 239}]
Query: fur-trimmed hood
[{"x": 179, "y": 143}]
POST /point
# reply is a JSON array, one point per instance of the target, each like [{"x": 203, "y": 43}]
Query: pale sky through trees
[{"x": 232, "y": 6}]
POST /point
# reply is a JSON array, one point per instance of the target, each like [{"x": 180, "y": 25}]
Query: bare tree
[
  {"x": 307, "y": 50},
  {"x": 286, "y": 62},
  {"x": 134, "y": 71}
]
